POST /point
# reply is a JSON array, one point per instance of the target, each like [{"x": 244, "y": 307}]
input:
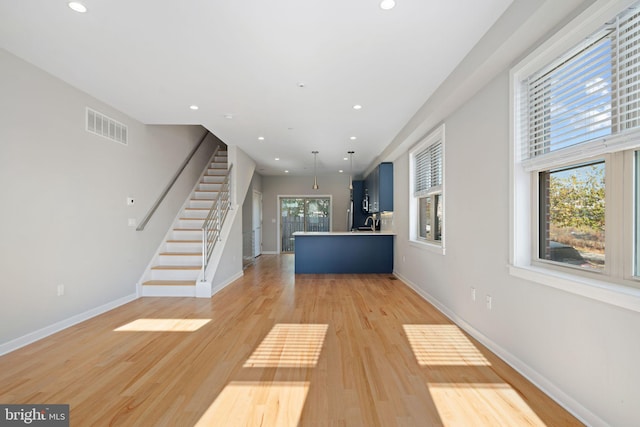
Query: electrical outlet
[
  {"x": 60, "y": 290},
  {"x": 130, "y": 201},
  {"x": 473, "y": 294},
  {"x": 489, "y": 302}
]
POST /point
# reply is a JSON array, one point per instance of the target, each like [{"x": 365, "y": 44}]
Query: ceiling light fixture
[
  {"x": 353, "y": 138},
  {"x": 387, "y": 4},
  {"x": 357, "y": 107},
  {"x": 77, "y": 6},
  {"x": 228, "y": 116},
  {"x": 286, "y": 171},
  {"x": 277, "y": 158},
  {"x": 351, "y": 172},
  {"x": 194, "y": 107},
  {"x": 261, "y": 138},
  {"x": 315, "y": 171}
]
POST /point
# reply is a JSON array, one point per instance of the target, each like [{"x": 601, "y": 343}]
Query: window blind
[
  {"x": 428, "y": 169},
  {"x": 589, "y": 94}
]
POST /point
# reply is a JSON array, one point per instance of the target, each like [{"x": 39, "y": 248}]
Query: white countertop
[{"x": 344, "y": 233}]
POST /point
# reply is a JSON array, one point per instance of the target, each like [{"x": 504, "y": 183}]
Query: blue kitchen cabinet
[
  {"x": 379, "y": 185},
  {"x": 343, "y": 252}
]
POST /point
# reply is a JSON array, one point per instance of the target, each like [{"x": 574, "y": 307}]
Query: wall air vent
[{"x": 99, "y": 124}]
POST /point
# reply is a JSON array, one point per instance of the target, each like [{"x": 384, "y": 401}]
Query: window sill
[
  {"x": 606, "y": 292},
  {"x": 426, "y": 246}
]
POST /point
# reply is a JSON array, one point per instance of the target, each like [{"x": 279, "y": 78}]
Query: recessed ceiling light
[
  {"x": 286, "y": 171},
  {"x": 387, "y": 4},
  {"x": 194, "y": 107},
  {"x": 261, "y": 138},
  {"x": 357, "y": 107},
  {"x": 277, "y": 158},
  {"x": 77, "y": 6},
  {"x": 228, "y": 116},
  {"x": 353, "y": 138},
  {"x": 340, "y": 171},
  {"x": 346, "y": 158}
]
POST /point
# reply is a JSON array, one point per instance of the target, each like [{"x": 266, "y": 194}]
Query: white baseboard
[
  {"x": 269, "y": 253},
  {"x": 567, "y": 402},
  {"x": 226, "y": 283},
  {"x": 63, "y": 324}
]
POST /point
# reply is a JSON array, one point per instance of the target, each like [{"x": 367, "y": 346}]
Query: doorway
[
  {"x": 302, "y": 214},
  {"x": 257, "y": 224}
]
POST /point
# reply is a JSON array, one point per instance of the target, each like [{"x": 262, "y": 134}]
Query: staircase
[{"x": 178, "y": 265}]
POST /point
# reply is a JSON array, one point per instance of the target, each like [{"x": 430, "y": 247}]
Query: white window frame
[
  {"x": 619, "y": 289},
  {"x": 435, "y": 246}
]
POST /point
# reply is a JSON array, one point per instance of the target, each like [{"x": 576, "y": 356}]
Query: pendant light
[
  {"x": 315, "y": 173},
  {"x": 351, "y": 171}
]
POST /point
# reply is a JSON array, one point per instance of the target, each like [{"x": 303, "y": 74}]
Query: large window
[
  {"x": 576, "y": 169},
  {"x": 427, "y": 190}
]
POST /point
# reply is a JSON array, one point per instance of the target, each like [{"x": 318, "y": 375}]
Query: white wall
[
  {"x": 336, "y": 186},
  {"x": 584, "y": 352},
  {"x": 63, "y": 218}
]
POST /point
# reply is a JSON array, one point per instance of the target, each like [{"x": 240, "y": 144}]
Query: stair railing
[
  {"x": 212, "y": 226},
  {"x": 173, "y": 180}
]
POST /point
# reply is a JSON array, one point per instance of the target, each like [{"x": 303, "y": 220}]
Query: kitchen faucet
[{"x": 373, "y": 222}]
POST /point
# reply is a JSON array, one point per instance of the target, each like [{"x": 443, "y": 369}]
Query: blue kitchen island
[{"x": 343, "y": 252}]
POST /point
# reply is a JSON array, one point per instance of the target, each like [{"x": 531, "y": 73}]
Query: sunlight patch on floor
[
  {"x": 440, "y": 345},
  {"x": 163, "y": 325},
  {"x": 241, "y": 403},
  {"x": 289, "y": 346},
  {"x": 488, "y": 404}
]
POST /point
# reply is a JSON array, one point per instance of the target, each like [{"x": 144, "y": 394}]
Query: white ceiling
[{"x": 152, "y": 59}]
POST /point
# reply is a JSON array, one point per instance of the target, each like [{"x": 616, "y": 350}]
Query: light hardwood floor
[{"x": 276, "y": 349}]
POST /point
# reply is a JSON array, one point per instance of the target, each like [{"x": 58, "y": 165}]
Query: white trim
[
  {"x": 563, "y": 399},
  {"x": 427, "y": 246},
  {"x": 63, "y": 324},
  {"x": 599, "y": 290},
  {"x": 226, "y": 283},
  {"x": 594, "y": 149},
  {"x": 206, "y": 290}
]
